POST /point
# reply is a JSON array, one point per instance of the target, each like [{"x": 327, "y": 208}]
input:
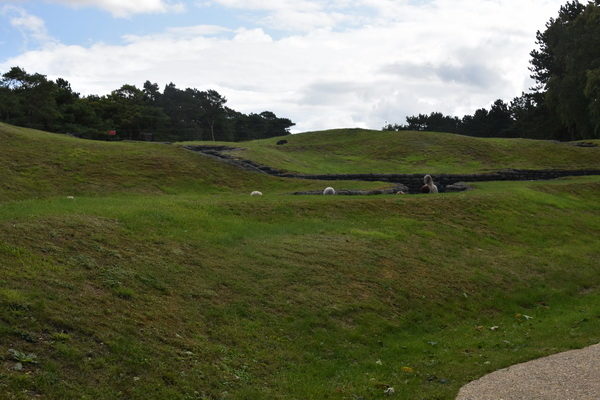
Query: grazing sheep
[
  {"x": 329, "y": 191},
  {"x": 400, "y": 192},
  {"x": 256, "y": 193},
  {"x": 429, "y": 187}
]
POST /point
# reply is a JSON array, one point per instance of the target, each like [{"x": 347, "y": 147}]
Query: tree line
[
  {"x": 564, "y": 104},
  {"x": 32, "y": 100}
]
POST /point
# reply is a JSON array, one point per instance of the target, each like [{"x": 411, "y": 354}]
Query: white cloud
[
  {"x": 451, "y": 56},
  {"x": 31, "y": 27},
  {"x": 294, "y": 15},
  {"x": 125, "y": 8}
]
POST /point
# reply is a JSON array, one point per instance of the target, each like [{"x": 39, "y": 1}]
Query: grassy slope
[
  {"x": 363, "y": 151},
  {"x": 202, "y": 293},
  {"x": 39, "y": 164}
]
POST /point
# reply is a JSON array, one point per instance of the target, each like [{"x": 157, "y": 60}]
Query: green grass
[
  {"x": 40, "y": 164},
  {"x": 201, "y": 292},
  {"x": 364, "y": 151}
]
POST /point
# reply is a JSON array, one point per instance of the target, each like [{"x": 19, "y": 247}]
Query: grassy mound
[
  {"x": 364, "y": 151},
  {"x": 40, "y": 164},
  {"x": 198, "y": 292}
]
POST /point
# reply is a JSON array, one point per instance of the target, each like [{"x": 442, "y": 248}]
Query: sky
[{"x": 322, "y": 63}]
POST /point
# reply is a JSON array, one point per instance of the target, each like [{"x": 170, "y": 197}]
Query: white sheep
[
  {"x": 329, "y": 191},
  {"x": 256, "y": 193},
  {"x": 429, "y": 187}
]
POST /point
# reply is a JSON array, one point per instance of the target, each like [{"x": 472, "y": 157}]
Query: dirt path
[{"x": 573, "y": 375}]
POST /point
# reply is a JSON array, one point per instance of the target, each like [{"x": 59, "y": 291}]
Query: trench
[{"x": 407, "y": 183}]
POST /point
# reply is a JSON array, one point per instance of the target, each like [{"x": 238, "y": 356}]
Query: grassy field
[
  {"x": 40, "y": 164},
  {"x": 363, "y": 151},
  {"x": 179, "y": 285}
]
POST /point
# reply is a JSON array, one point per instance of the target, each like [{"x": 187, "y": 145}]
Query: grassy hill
[
  {"x": 364, "y": 151},
  {"x": 173, "y": 283},
  {"x": 41, "y": 164}
]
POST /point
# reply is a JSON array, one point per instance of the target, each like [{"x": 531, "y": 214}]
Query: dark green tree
[
  {"x": 592, "y": 93},
  {"x": 151, "y": 93},
  {"x": 212, "y": 106},
  {"x": 275, "y": 126},
  {"x": 566, "y": 65},
  {"x": 190, "y": 114},
  {"x": 435, "y": 121},
  {"x": 34, "y": 99},
  {"x": 130, "y": 113}
]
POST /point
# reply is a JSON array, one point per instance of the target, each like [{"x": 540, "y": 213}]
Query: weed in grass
[
  {"x": 84, "y": 261},
  {"x": 22, "y": 357},
  {"x": 25, "y": 336},
  {"x": 61, "y": 337},
  {"x": 124, "y": 293},
  {"x": 15, "y": 299}
]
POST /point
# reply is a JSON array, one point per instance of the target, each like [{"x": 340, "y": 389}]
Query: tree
[
  {"x": 477, "y": 124},
  {"x": 592, "y": 93},
  {"x": 34, "y": 101},
  {"x": 533, "y": 119},
  {"x": 275, "y": 126},
  {"x": 564, "y": 63},
  {"x": 15, "y": 78},
  {"x": 8, "y": 104},
  {"x": 182, "y": 109},
  {"x": 212, "y": 105},
  {"x": 130, "y": 112},
  {"x": 500, "y": 119},
  {"x": 564, "y": 104}
]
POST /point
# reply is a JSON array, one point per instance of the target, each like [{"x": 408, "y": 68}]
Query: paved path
[{"x": 573, "y": 375}]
